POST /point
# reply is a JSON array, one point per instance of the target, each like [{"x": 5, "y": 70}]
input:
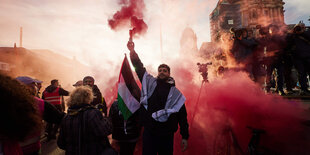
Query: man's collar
[{"x": 170, "y": 81}]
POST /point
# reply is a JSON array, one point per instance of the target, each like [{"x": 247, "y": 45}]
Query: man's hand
[
  {"x": 131, "y": 46},
  {"x": 115, "y": 145},
  {"x": 184, "y": 144}
]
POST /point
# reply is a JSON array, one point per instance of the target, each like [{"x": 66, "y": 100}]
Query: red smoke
[
  {"x": 237, "y": 102},
  {"x": 130, "y": 15}
]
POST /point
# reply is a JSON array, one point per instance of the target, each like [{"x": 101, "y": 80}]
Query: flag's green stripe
[{"x": 123, "y": 108}]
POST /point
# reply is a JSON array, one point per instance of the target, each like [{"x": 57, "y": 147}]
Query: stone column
[{"x": 271, "y": 15}]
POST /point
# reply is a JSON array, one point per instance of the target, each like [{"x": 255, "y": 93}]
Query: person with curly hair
[
  {"x": 84, "y": 129},
  {"x": 19, "y": 115}
]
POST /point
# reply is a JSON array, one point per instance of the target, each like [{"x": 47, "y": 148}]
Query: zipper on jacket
[{"x": 125, "y": 127}]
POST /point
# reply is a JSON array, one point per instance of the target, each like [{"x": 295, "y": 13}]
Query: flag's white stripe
[{"x": 132, "y": 104}]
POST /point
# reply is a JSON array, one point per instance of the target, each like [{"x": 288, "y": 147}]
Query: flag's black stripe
[{"x": 130, "y": 81}]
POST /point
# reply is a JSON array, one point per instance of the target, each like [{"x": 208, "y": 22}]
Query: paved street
[{"x": 50, "y": 148}]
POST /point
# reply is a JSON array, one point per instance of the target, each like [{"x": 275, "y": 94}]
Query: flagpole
[{"x": 161, "y": 44}]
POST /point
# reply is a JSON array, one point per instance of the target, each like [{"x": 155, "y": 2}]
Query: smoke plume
[
  {"x": 234, "y": 102},
  {"x": 130, "y": 16}
]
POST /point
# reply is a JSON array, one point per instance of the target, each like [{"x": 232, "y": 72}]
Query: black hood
[
  {"x": 95, "y": 89},
  {"x": 76, "y": 109},
  {"x": 50, "y": 88}
]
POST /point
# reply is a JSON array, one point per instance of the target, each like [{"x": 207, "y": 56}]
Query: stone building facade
[{"x": 244, "y": 14}]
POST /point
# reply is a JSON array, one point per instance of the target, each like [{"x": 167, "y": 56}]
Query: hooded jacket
[{"x": 52, "y": 88}]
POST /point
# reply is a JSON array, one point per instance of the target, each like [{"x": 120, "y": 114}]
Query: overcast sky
[{"x": 79, "y": 27}]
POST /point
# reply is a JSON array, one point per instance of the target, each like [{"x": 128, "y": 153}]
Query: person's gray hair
[{"x": 81, "y": 95}]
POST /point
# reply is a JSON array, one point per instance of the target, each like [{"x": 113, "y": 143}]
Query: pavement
[{"x": 50, "y": 147}]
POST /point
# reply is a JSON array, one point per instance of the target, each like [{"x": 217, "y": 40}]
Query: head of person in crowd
[
  {"x": 299, "y": 28},
  {"x": 88, "y": 80},
  {"x": 78, "y": 83},
  {"x": 29, "y": 82},
  {"x": 239, "y": 34},
  {"x": 250, "y": 34},
  {"x": 38, "y": 84},
  {"x": 244, "y": 33},
  {"x": 163, "y": 72},
  {"x": 55, "y": 83},
  {"x": 19, "y": 115},
  {"x": 81, "y": 95}
]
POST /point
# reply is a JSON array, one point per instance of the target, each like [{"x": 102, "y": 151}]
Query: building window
[
  {"x": 230, "y": 22},
  {"x": 4, "y": 66},
  {"x": 254, "y": 15}
]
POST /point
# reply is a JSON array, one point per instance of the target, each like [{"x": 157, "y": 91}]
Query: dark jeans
[
  {"x": 52, "y": 129},
  {"x": 127, "y": 148},
  {"x": 258, "y": 70},
  {"x": 289, "y": 81},
  {"x": 302, "y": 66},
  {"x": 153, "y": 144}
]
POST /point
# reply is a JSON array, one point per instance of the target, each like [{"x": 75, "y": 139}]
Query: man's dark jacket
[
  {"x": 51, "y": 88},
  {"x": 124, "y": 130},
  {"x": 300, "y": 43},
  {"x": 51, "y": 114},
  {"x": 157, "y": 102},
  {"x": 98, "y": 100},
  {"x": 242, "y": 49}
]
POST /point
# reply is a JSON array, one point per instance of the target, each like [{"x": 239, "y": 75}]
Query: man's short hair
[
  {"x": 164, "y": 66},
  {"x": 54, "y": 81},
  {"x": 88, "y": 77},
  {"x": 238, "y": 33}
]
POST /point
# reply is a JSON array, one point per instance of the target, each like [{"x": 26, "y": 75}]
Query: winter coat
[
  {"x": 242, "y": 49},
  {"x": 300, "y": 43},
  {"x": 99, "y": 100},
  {"x": 124, "y": 130},
  {"x": 84, "y": 130},
  {"x": 51, "y": 88}
]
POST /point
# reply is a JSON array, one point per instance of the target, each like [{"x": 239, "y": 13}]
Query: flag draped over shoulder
[{"x": 129, "y": 93}]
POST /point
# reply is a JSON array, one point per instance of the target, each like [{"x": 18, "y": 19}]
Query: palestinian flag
[{"x": 129, "y": 93}]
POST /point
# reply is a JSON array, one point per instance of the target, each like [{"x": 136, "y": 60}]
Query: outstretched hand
[
  {"x": 131, "y": 46},
  {"x": 184, "y": 144}
]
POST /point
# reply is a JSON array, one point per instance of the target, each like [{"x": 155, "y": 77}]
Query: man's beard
[{"x": 163, "y": 78}]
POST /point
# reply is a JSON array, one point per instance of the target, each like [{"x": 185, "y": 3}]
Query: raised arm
[{"x": 136, "y": 62}]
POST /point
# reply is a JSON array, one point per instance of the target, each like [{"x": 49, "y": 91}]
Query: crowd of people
[
  {"x": 82, "y": 126},
  {"x": 272, "y": 53}
]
